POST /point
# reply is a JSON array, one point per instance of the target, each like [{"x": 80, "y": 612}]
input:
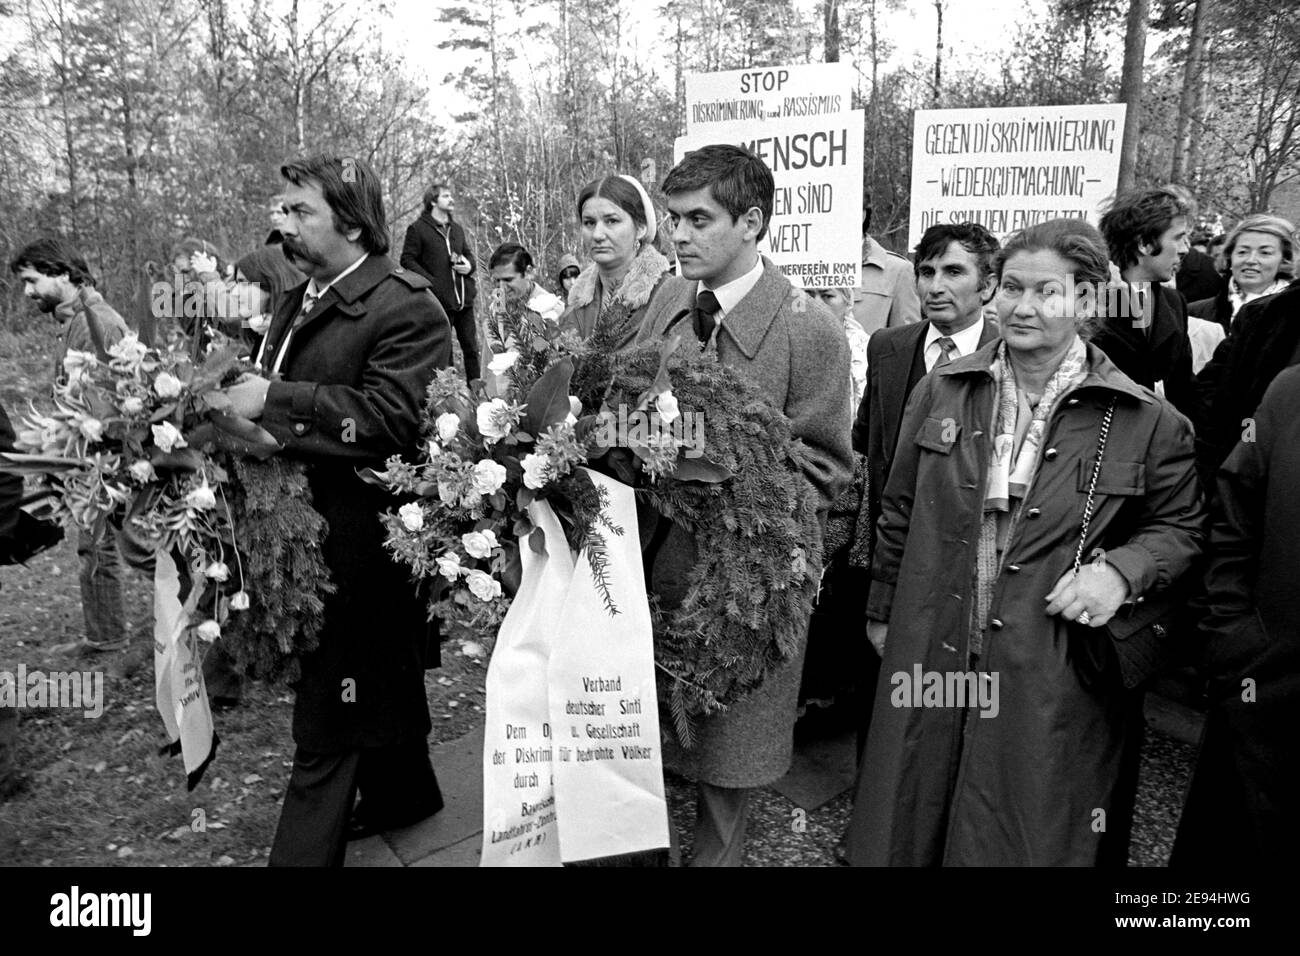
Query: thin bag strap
[{"x": 1092, "y": 485}]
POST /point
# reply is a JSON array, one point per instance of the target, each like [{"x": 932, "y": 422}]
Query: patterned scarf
[{"x": 1008, "y": 479}]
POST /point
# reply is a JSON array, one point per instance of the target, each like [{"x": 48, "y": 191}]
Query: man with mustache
[
  {"x": 56, "y": 277},
  {"x": 954, "y": 281},
  {"x": 346, "y": 362}
]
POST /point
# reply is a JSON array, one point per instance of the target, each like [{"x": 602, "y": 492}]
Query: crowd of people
[{"x": 1046, "y": 479}]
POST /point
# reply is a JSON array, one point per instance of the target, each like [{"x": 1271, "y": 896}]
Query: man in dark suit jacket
[
  {"x": 350, "y": 354},
  {"x": 954, "y": 280},
  {"x": 1145, "y": 331}
]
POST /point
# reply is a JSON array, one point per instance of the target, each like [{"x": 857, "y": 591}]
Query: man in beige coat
[
  {"x": 744, "y": 311},
  {"x": 887, "y": 296}
]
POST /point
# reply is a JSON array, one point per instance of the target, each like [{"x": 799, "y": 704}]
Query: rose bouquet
[{"x": 552, "y": 406}]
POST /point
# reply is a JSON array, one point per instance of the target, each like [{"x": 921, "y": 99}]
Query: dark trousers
[
  {"x": 397, "y": 785},
  {"x": 462, "y": 320}
]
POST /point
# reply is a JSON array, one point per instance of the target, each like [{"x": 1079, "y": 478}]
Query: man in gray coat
[{"x": 746, "y": 313}]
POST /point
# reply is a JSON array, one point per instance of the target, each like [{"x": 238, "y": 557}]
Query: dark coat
[
  {"x": 1242, "y": 806},
  {"x": 1163, "y": 356},
  {"x": 895, "y": 364},
  {"x": 1197, "y": 278},
  {"x": 1215, "y": 309},
  {"x": 1021, "y": 787},
  {"x": 11, "y": 488},
  {"x": 352, "y": 395},
  {"x": 796, "y": 354},
  {"x": 1265, "y": 339},
  {"x": 427, "y": 251}
]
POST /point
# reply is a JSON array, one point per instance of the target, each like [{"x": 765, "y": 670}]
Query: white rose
[
  {"x": 449, "y": 566},
  {"x": 448, "y": 423},
  {"x": 446, "y": 492},
  {"x": 209, "y": 631},
  {"x": 133, "y": 405},
  {"x": 537, "y": 470},
  {"x": 239, "y": 601},
  {"x": 218, "y": 571},
  {"x": 129, "y": 348},
  {"x": 167, "y": 437},
  {"x": 412, "y": 516},
  {"x": 489, "y": 476},
  {"x": 483, "y": 586},
  {"x": 479, "y": 544},
  {"x": 502, "y": 361},
  {"x": 491, "y": 419},
  {"x": 666, "y": 402},
  {"x": 74, "y": 361},
  {"x": 142, "y": 471},
  {"x": 167, "y": 385},
  {"x": 91, "y": 428},
  {"x": 201, "y": 497}
]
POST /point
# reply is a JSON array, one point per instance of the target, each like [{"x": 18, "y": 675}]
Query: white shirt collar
[
  {"x": 729, "y": 295},
  {"x": 967, "y": 340},
  {"x": 313, "y": 289}
]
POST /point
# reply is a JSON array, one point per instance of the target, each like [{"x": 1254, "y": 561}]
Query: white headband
[{"x": 651, "y": 223}]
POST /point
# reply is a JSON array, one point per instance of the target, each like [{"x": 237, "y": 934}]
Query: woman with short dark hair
[{"x": 1036, "y": 495}]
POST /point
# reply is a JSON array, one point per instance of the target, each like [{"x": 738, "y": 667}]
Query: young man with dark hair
[
  {"x": 349, "y": 356},
  {"x": 511, "y": 270},
  {"x": 437, "y": 249},
  {"x": 56, "y": 277},
  {"x": 744, "y": 311},
  {"x": 1145, "y": 330}
]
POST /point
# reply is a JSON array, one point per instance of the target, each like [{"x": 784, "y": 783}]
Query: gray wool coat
[{"x": 797, "y": 355}]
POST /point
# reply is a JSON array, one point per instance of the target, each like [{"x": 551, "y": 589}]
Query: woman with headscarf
[
  {"x": 1036, "y": 494},
  {"x": 618, "y": 228}
]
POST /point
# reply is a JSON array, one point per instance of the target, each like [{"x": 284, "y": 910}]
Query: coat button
[
  {"x": 1013, "y": 568},
  {"x": 1033, "y": 513},
  {"x": 996, "y": 624},
  {"x": 299, "y": 428},
  {"x": 1050, "y": 454}
]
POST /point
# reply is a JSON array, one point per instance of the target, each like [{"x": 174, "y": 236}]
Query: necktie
[
  {"x": 705, "y": 316},
  {"x": 947, "y": 351}
]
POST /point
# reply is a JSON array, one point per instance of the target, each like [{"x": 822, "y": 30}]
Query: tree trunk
[
  {"x": 831, "y": 22},
  {"x": 938, "y": 51},
  {"x": 1191, "y": 89},
  {"x": 299, "y": 112},
  {"x": 1130, "y": 89}
]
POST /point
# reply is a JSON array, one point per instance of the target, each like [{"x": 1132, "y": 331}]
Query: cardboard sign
[
  {"x": 815, "y": 234},
  {"x": 767, "y": 94},
  {"x": 1014, "y": 167}
]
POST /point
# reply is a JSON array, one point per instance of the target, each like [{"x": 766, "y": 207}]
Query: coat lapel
[
  {"x": 747, "y": 324},
  {"x": 895, "y": 370}
]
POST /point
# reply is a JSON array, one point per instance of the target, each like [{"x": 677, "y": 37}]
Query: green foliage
[{"x": 279, "y": 536}]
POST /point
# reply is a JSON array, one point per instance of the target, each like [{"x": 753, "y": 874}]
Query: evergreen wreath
[
  {"x": 752, "y": 515},
  {"x": 280, "y": 536}
]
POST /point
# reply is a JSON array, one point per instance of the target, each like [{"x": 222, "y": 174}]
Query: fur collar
[{"x": 647, "y": 268}]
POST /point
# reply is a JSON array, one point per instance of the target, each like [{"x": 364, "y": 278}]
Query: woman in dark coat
[
  {"x": 991, "y": 742},
  {"x": 1261, "y": 256},
  {"x": 1243, "y": 808}
]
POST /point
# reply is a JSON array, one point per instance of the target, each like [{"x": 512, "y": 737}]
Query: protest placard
[
  {"x": 1013, "y": 167},
  {"x": 815, "y": 234},
  {"x": 765, "y": 94}
]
